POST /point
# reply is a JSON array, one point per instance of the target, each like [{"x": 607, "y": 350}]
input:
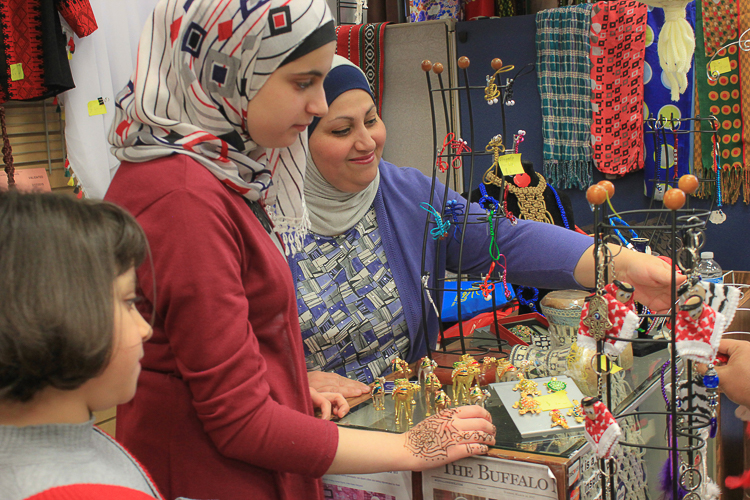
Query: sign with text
[
  {"x": 381, "y": 486},
  {"x": 27, "y": 179},
  {"x": 480, "y": 478}
]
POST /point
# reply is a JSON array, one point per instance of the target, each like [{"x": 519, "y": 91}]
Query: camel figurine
[
  {"x": 504, "y": 367},
  {"x": 378, "y": 393},
  {"x": 463, "y": 377},
  {"x": 432, "y": 386},
  {"x": 399, "y": 365},
  {"x": 442, "y": 401},
  {"x": 403, "y": 395},
  {"x": 426, "y": 368},
  {"x": 478, "y": 396}
]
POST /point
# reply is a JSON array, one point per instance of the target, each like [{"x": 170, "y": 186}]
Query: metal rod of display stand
[{"x": 674, "y": 453}]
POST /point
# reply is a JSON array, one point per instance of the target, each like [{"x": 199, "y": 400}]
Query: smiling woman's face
[{"x": 348, "y": 142}]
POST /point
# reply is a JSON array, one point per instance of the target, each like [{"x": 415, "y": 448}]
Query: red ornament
[{"x": 522, "y": 180}]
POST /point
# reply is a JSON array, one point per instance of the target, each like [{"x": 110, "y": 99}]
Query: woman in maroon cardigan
[{"x": 211, "y": 132}]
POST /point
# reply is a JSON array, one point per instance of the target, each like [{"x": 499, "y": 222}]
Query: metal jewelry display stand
[{"x": 682, "y": 227}]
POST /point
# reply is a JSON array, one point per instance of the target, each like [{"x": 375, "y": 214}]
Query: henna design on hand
[{"x": 431, "y": 439}]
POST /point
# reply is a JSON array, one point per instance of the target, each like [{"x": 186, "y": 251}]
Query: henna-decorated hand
[{"x": 450, "y": 435}]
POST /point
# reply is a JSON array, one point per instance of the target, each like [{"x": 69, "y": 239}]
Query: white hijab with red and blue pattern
[{"x": 199, "y": 64}]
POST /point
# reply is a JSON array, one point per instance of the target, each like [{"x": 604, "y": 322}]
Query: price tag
[
  {"x": 510, "y": 164},
  {"x": 97, "y": 107},
  {"x": 555, "y": 401},
  {"x": 603, "y": 365},
  {"x": 721, "y": 66},
  {"x": 16, "y": 72}
]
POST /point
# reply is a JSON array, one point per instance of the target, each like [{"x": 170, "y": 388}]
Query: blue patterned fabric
[
  {"x": 342, "y": 282},
  {"x": 658, "y": 102},
  {"x": 564, "y": 77}
]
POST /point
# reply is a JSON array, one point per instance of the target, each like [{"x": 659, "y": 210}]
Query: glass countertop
[{"x": 629, "y": 388}]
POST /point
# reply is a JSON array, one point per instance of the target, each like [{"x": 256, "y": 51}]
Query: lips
[{"x": 363, "y": 160}]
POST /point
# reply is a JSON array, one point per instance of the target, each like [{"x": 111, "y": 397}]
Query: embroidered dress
[{"x": 342, "y": 282}]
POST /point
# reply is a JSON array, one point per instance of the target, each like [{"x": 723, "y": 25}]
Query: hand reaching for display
[
  {"x": 650, "y": 276},
  {"x": 330, "y": 404},
  {"x": 333, "y": 382},
  {"x": 450, "y": 435},
  {"x": 734, "y": 377}
]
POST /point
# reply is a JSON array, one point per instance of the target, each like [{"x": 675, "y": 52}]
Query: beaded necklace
[{"x": 531, "y": 201}]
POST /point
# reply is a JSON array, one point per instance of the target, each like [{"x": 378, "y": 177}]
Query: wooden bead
[
  {"x": 426, "y": 65},
  {"x": 463, "y": 62},
  {"x": 437, "y": 68},
  {"x": 688, "y": 183},
  {"x": 596, "y": 195},
  {"x": 674, "y": 199},
  {"x": 608, "y": 186},
  {"x": 497, "y": 63}
]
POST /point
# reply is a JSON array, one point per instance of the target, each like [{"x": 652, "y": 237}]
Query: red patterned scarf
[
  {"x": 364, "y": 45},
  {"x": 617, "y": 50}
]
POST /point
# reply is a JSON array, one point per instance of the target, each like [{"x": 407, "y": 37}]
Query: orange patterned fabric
[
  {"x": 743, "y": 11},
  {"x": 719, "y": 24}
]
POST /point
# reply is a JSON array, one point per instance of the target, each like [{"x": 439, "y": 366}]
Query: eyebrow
[
  {"x": 313, "y": 72},
  {"x": 350, "y": 118}
]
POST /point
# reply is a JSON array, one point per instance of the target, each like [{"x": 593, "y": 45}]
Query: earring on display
[
  {"x": 492, "y": 92},
  {"x": 509, "y": 101}
]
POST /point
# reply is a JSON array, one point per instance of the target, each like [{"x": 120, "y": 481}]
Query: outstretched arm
[
  {"x": 650, "y": 275},
  {"x": 443, "y": 438}
]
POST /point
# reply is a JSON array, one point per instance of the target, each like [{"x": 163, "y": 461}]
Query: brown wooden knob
[
  {"x": 426, "y": 65},
  {"x": 497, "y": 63},
  {"x": 674, "y": 199},
  {"x": 688, "y": 183},
  {"x": 608, "y": 186},
  {"x": 463, "y": 62},
  {"x": 437, "y": 68},
  {"x": 596, "y": 195}
]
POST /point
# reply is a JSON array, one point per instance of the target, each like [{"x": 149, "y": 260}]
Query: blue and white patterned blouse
[{"x": 350, "y": 312}]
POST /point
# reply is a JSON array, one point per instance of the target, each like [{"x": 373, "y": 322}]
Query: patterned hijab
[{"x": 199, "y": 64}]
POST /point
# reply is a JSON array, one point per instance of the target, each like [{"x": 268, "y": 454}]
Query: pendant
[
  {"x": 597, "y": 318},
  {"x": 717, "y": 216}
]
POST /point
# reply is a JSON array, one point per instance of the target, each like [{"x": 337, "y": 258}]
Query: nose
[
  {"x": 317, "y": 105},
  {"x": 364, "y": 141},
  {"x": 144, "y": 328}
]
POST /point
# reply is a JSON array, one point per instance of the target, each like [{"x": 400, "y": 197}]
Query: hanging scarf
[
  {"x": 199, "y": 64},
  {"x": 722, "y": 98},
  {"x": 364, "y": 45},
  {"x": 563, "y": 51},
  {"x": 617, "y": 49},
  {"x": 658, "y": 103},
  {"x": 333, "y": 212}
]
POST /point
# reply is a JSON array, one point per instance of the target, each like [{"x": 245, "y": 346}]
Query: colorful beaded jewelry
[
  {"x": 558, "y": 420},
  {"x": 454, "y": 210},
  {"x": 577, "y": 412},
  {"x": 440, "y": 231},
  {"x": 555, "y": 385},
  {"x": 527, "y": 404},
  {"x": 458, "y": 145}
]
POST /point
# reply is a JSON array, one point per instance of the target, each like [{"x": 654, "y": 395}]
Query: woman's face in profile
[{"x": 348, "y": 142}]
